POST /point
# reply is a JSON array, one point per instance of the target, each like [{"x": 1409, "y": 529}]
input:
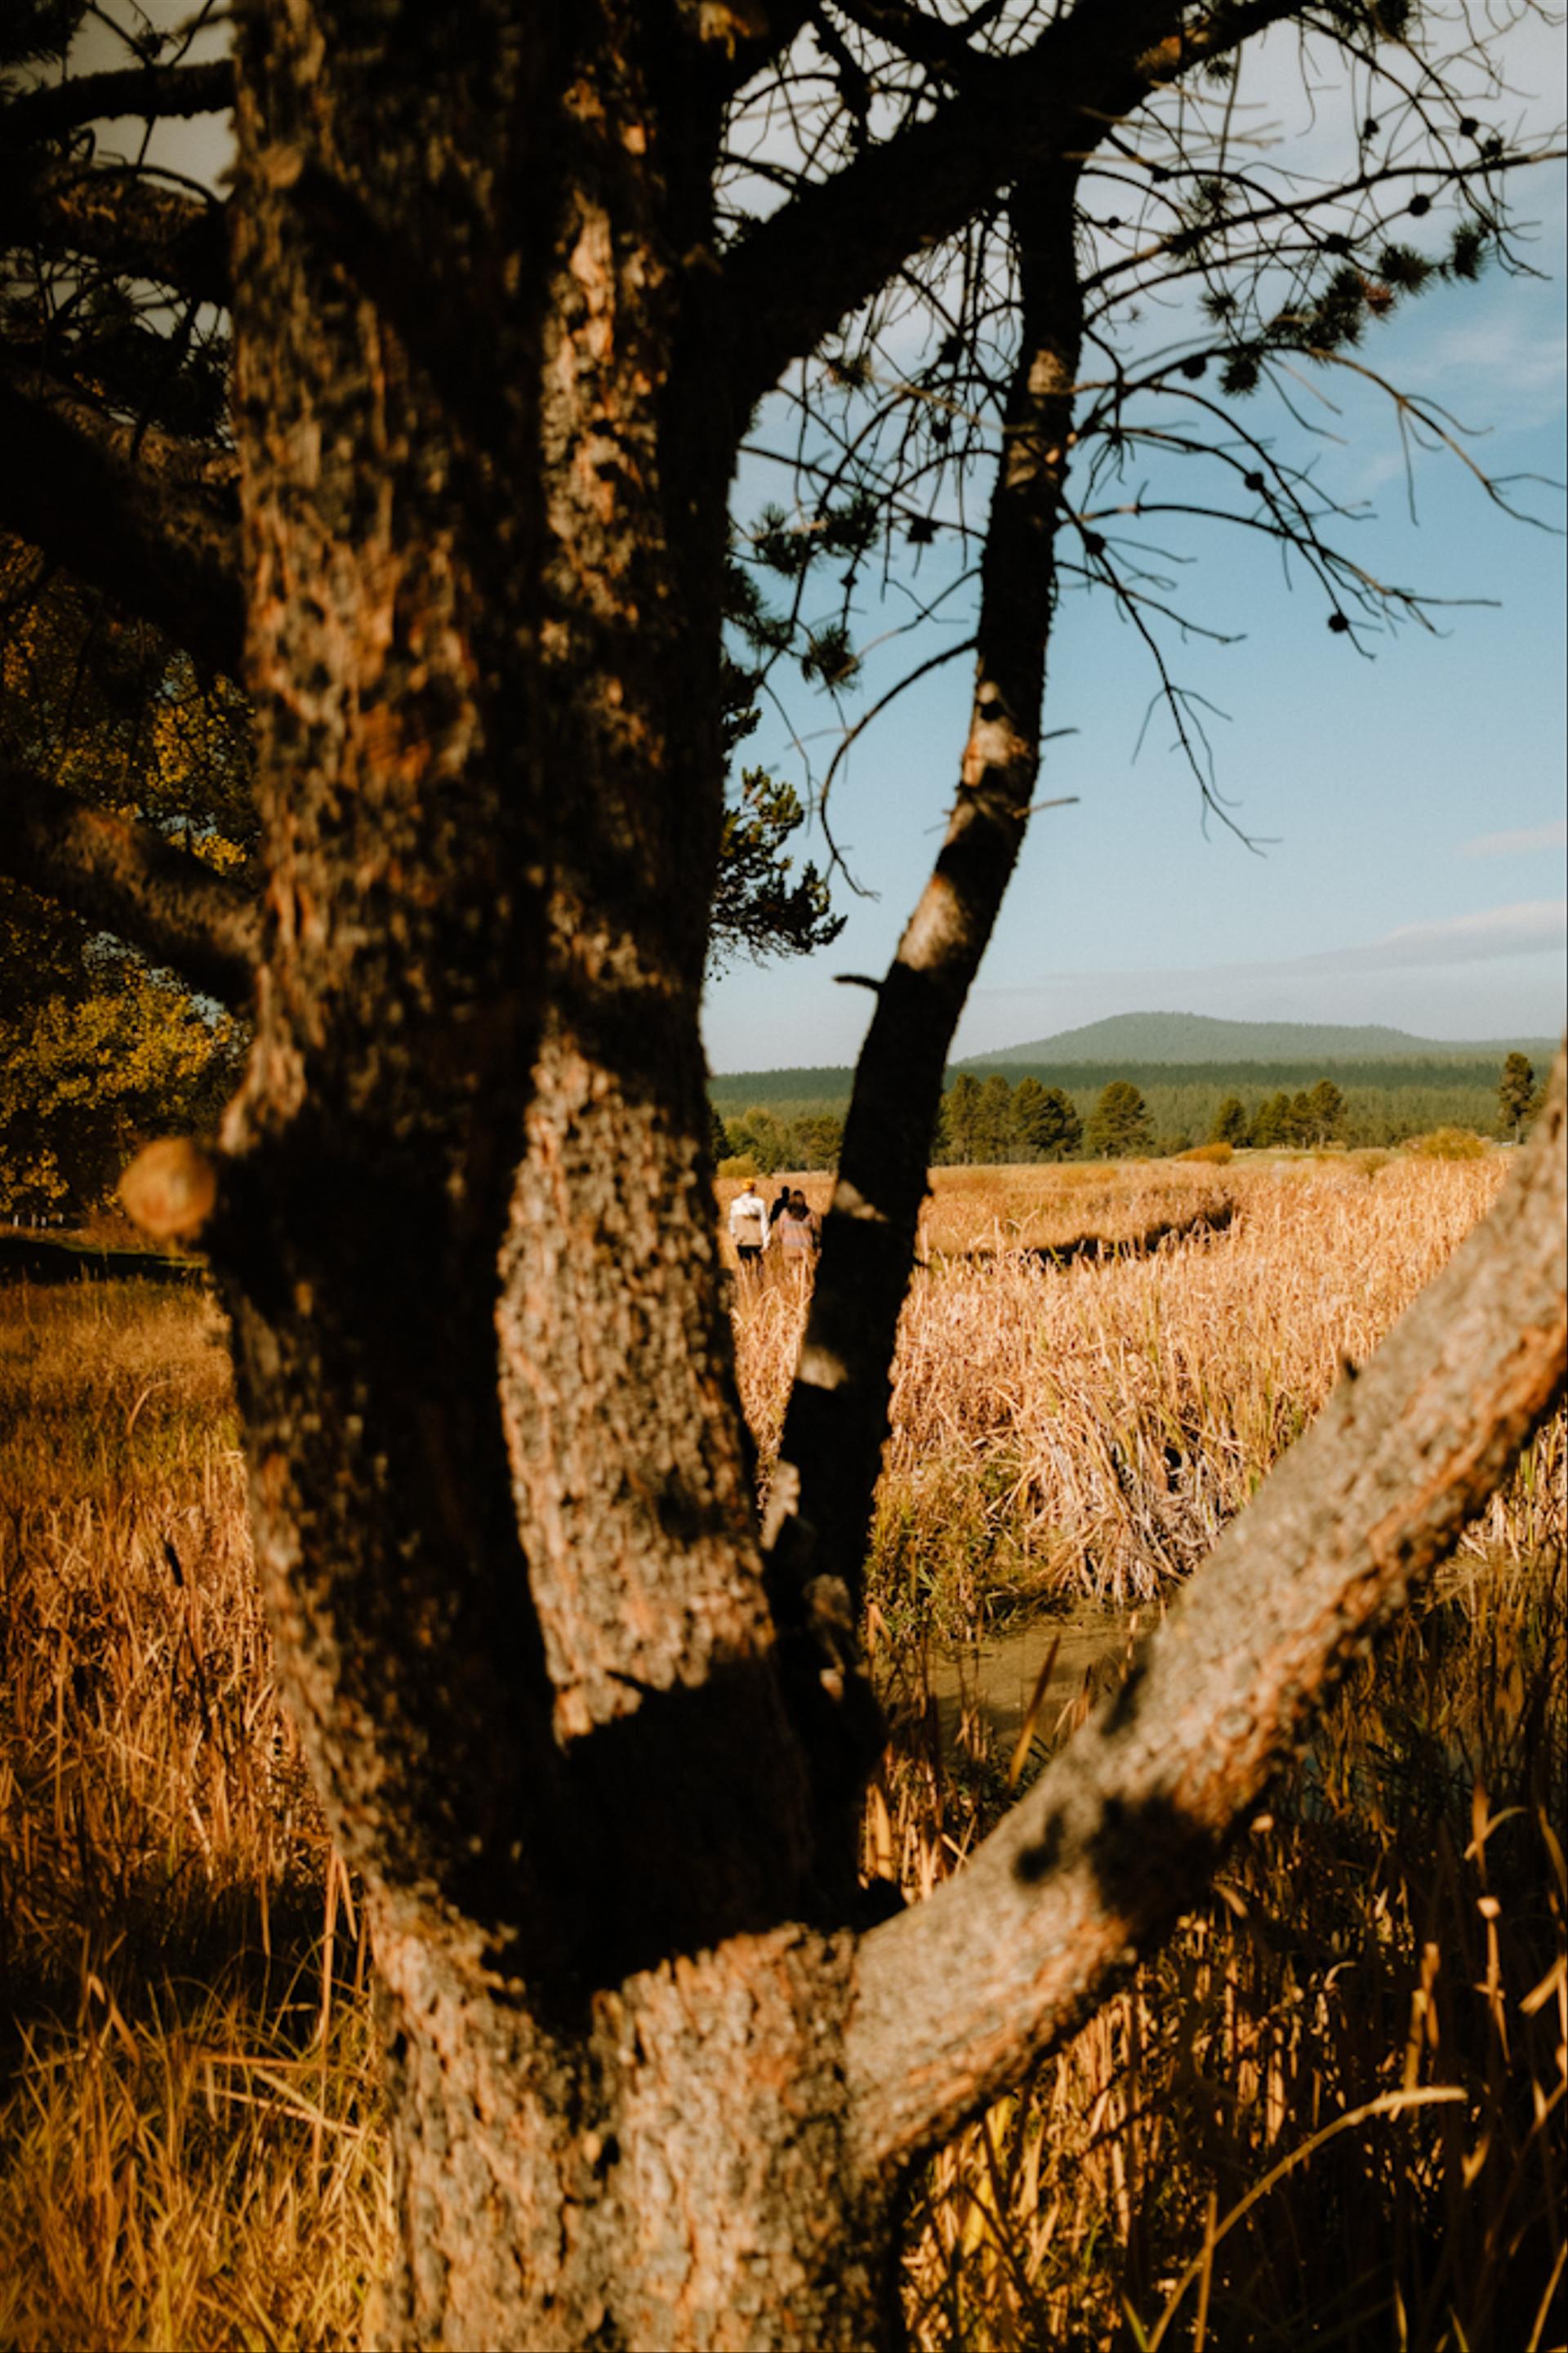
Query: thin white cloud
[
  {"x": 1552, "y": 835},
  {"x": 1421, "y": 977},
  {"x": 1528, "y": 926}
]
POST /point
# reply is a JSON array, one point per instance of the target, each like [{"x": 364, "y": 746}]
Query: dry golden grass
[
  {"x": 191, "y": 2150},
  {"x": 1330, "y": 2112},
  {"x": 1085, "y": 1431}
]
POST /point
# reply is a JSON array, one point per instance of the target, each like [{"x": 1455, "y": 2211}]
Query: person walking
[
  {"x": 749, "y": 1225},
  {"x": 797, "y": 1232}
]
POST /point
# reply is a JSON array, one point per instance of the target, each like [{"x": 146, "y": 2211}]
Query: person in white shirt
[{"x": 749, "y": 1226}]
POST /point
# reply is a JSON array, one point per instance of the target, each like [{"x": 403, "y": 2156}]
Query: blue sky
[{"x": 1409, "y": 809}]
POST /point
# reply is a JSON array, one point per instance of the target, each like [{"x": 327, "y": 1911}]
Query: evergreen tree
[
  {"x": 994, "y": 1120},
  {"x": 761, "y": 907},
  {"x": 718, "y": 1136},
  {"x": 1119, "y": 1127},
  {"x": 1271, "y": 1122},
  {"x": 1516, "y": 1096},
  {"x": 1045, "y": 1124},
  {"x": 1230, "y": 1123},
  {"x": 1326, "y": 1107},
  {"x": 961, "y": 1118}
]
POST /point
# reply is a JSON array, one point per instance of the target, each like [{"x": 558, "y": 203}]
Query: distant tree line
[
  {"x": 1314, "y": 1115},
  {"x": 992, "y": 1121},
  {"x": 989, "y": 1120},
  {"x": 768, "y": 1142}
]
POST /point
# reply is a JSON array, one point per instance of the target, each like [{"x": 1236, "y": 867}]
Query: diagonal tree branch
[
  {"x": 836, "y": 1421},
  {"x": 125, "y": 878},
  {"x": 152, "y": 523},
  {"x": 834, "y": 243},
  {"x": 58, "y": 107},
  {"x": 956, "y": 1998}
]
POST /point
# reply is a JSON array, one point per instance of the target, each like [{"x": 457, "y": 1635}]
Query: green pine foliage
[
  {"x": 1118, "y": 1127},
  {"x": 1230, "y": 1125},
  {"x": 1045, "y": 1124},
  {"x": 1252, "y": 1106},
  {"x": 1518, "y": 1096}
]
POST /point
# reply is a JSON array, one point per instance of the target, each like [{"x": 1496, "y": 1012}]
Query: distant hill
[
  {"x": 1190, "y": 1038},
  {"x": 1184, "y": 1064}
]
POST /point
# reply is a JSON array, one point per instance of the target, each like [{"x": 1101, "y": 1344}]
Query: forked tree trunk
[
  {"x": 648, "y": 2086},
  {"x": 502, "y": 1489}
]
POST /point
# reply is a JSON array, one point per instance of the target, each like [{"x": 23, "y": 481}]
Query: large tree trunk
[
  {"x": 648, "y": 2086},
  {"x": 502, "y": 1490}
]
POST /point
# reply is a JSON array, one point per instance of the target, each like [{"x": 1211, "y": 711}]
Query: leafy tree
[
  {"x": 1045, "y": 1121},
  {"x": 85, "y": 1081},
  {"x": 1230, "y": 1123},
  {"x": 764, "y": 1138},
  {"x": 1516, "y": 1095},
  {"x": 815, "y": 1141},
  {"x": 100, "y": 1051},
  {"x": 657, "y": 2064},
  {"x": 1119, "y": 1125}
]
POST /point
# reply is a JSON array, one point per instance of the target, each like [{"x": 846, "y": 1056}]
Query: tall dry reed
[
  {"x": 1330, "y": 2112},
  {"x": 191, "y": 2150},
  {"x": 1083, "y": 1431}
]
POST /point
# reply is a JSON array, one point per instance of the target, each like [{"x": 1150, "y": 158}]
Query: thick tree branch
[
  {"x": 836, "y": 1421},
  {"x": 834, "y": 243},
  {"x": 150, "y": 522},
  {"x": 134, "y": 225},
  {"x": 148, "y": 91},
  {"x": 957, "y": 1998},
  {"x": 126, "y": 879}
]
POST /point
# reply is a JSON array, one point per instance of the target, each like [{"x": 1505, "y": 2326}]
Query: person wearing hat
[{"x": 749, "y": 1225}]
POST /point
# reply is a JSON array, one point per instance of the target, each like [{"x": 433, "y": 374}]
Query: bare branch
[
  {"x": 826, "y": 251},
  {"x": 149, "y": 92},
  {"x": 124, "y": 877},
  {"x": 153, "y": 524},
  {"x": 956, "y": 1998}
]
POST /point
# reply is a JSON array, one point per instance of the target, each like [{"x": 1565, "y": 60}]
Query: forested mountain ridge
[{"x": 1200, "y": 1037}]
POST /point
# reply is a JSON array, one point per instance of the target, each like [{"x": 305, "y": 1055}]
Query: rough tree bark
[
  {"x": 653, "y": 2080},
  {"x": 830, "y": 1450}
]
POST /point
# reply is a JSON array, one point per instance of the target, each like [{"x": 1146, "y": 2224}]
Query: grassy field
[
  {"x": 189, "y": 2146},
  {"x": 1084, "y": 1432},
  {"x": 189, "y": 2143}
]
